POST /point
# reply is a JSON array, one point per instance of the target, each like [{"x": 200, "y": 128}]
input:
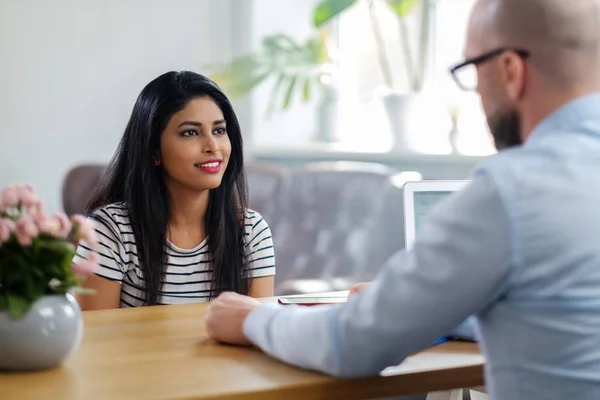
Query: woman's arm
[
  {"x": 262, "y": 287},
  {"x": 106, "y": 282},
  {"x": 261, "y": 257},
  {"x": 107, "y": 296}
]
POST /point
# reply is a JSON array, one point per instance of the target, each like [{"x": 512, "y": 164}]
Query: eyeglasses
[{"x": 465, "y": 73}]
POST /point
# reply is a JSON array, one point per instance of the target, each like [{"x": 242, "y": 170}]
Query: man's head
[{"x": 537, "y": 56}]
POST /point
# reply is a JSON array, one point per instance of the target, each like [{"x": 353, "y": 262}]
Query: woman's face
[{"x": 195, "y": 147}]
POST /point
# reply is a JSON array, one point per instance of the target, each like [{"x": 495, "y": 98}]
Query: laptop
[{"x": 419, "y": 198}]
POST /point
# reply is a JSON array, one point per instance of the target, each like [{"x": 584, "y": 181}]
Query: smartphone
[{"x": 312, "y": 301}]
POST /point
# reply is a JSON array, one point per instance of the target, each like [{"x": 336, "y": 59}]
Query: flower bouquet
[{"x": 37, "y": 274}]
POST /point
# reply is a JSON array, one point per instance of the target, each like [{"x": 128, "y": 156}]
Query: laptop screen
[
  {"x": 419, "y": 199},
  {"x": 424, "y": 202}
]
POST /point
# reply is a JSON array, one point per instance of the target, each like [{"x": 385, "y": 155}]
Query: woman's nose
[{"x": 211, "y": 145}]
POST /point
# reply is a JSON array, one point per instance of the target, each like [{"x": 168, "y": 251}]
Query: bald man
[{"x": 518, "y": 249}]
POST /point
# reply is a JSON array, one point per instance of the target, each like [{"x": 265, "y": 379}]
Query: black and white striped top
[{"x": 188, "y": 274}]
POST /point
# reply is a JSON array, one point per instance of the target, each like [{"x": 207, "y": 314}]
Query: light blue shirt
[{"x": 518, "y": 248}]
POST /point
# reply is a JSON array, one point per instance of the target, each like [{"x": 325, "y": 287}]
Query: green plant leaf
[
  {"x": 242, "y": 75},
  {"x": 31, "y": 288},
  {"x": 17, "y": 305},
  {"x": 402, "y": 7},
  {"x": 306, "y": 89},
  {"x": 329, "y": 9},
  {"x": 3, "y": 302},
  {"x": 280, "y": 42},
  {"x": 275, "y": 94},
  {"x": 53, "y": 245},
  {"x": 317, "y": 46},
  {"x": 84, "y": 291},
  {"x": 290, "y": 91}
]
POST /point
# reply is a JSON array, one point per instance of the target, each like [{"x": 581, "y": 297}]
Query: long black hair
[{"x": 132, "y": 178}]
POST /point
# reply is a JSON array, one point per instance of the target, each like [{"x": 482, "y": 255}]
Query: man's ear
[{"x": 513, "y": 75}]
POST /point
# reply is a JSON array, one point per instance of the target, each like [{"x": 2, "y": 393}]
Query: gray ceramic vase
[{"x": 44, "y": 337}]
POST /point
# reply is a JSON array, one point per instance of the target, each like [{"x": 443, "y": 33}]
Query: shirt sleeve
[
  {"x": 261, "y": 256},
  {"x": 109, "y": 249},
  {"x": 459, "y": 264},
  {"x": 467, "y": 330}
]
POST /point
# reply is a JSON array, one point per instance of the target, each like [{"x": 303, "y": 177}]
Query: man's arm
[
  {"x": 465, "y": 331},
  {"x": 459, "y": 264}
]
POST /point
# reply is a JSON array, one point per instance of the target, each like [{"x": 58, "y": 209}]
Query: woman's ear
[{"x": 156, "y": 158}]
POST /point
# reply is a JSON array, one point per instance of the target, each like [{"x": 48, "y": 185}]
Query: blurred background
[{"x": 310, "y": 82}]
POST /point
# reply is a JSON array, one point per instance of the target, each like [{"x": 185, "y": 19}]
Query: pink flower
[
  {"x": 65, "y": 225},
  {"x": 9, "y": 197},
  {"x": 86, "y": 267},
  {"x": 7, "y": 227},
  {"x": 27, "y": 196},
  {"x": 85, "y": 229},
  {"x": 47, "y": 224},
  {"x": 26, "y": 230}
]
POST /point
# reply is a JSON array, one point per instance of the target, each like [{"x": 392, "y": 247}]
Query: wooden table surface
[{"x": 163, "y": 352}]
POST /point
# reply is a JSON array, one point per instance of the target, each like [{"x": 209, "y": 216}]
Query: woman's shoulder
[
  {"x": 259, "y": 244},
  {"x": 252, "y": 216},
  {"x": 115, "y": 214},
  {"x": 254, "y": 222},
  {"x": 114, "y": 211}
]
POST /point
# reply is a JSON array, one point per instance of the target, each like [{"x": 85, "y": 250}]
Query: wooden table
[{"x": 163, "y": 352}]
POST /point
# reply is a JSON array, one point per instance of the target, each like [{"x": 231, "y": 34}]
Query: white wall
[{"x": 70, "y": 71}]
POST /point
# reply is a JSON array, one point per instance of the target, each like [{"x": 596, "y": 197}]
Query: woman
[{"x": 171, "y": 211}]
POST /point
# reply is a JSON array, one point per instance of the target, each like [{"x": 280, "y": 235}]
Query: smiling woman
[{"x": 171, "y": 211}]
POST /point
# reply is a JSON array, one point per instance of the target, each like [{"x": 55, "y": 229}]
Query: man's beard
[{"x": 506, "y": 129}]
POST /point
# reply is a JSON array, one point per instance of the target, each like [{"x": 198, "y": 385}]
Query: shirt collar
[{"x": 570, "y": 115}]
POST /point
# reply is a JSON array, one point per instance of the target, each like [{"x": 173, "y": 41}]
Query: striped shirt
[{"x": 188, "y": 273}]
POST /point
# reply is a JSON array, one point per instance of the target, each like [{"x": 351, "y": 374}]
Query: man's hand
[
  {"x": 225, "y": 317},
  {"x": 356, "y": 288}
]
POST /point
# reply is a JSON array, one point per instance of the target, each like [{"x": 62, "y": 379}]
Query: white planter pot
[
  {"x": 400, "y": 110},
  {"x": 327, "y": 116},
  {"x": 44, "y": 337}
]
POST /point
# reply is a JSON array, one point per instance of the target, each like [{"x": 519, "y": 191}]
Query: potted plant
[
  {"x": 399, "y": 104},
  {"x": 296, "y": 71},
  {"x": 40, "y": 321}
]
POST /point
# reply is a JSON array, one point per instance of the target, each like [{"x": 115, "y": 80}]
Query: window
[{"x": 364, "y": 122}]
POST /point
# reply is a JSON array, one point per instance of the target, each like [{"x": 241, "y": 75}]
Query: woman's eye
[
  {"x": 188, "y": 133},
  {"x": 220, "y": 131}
]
